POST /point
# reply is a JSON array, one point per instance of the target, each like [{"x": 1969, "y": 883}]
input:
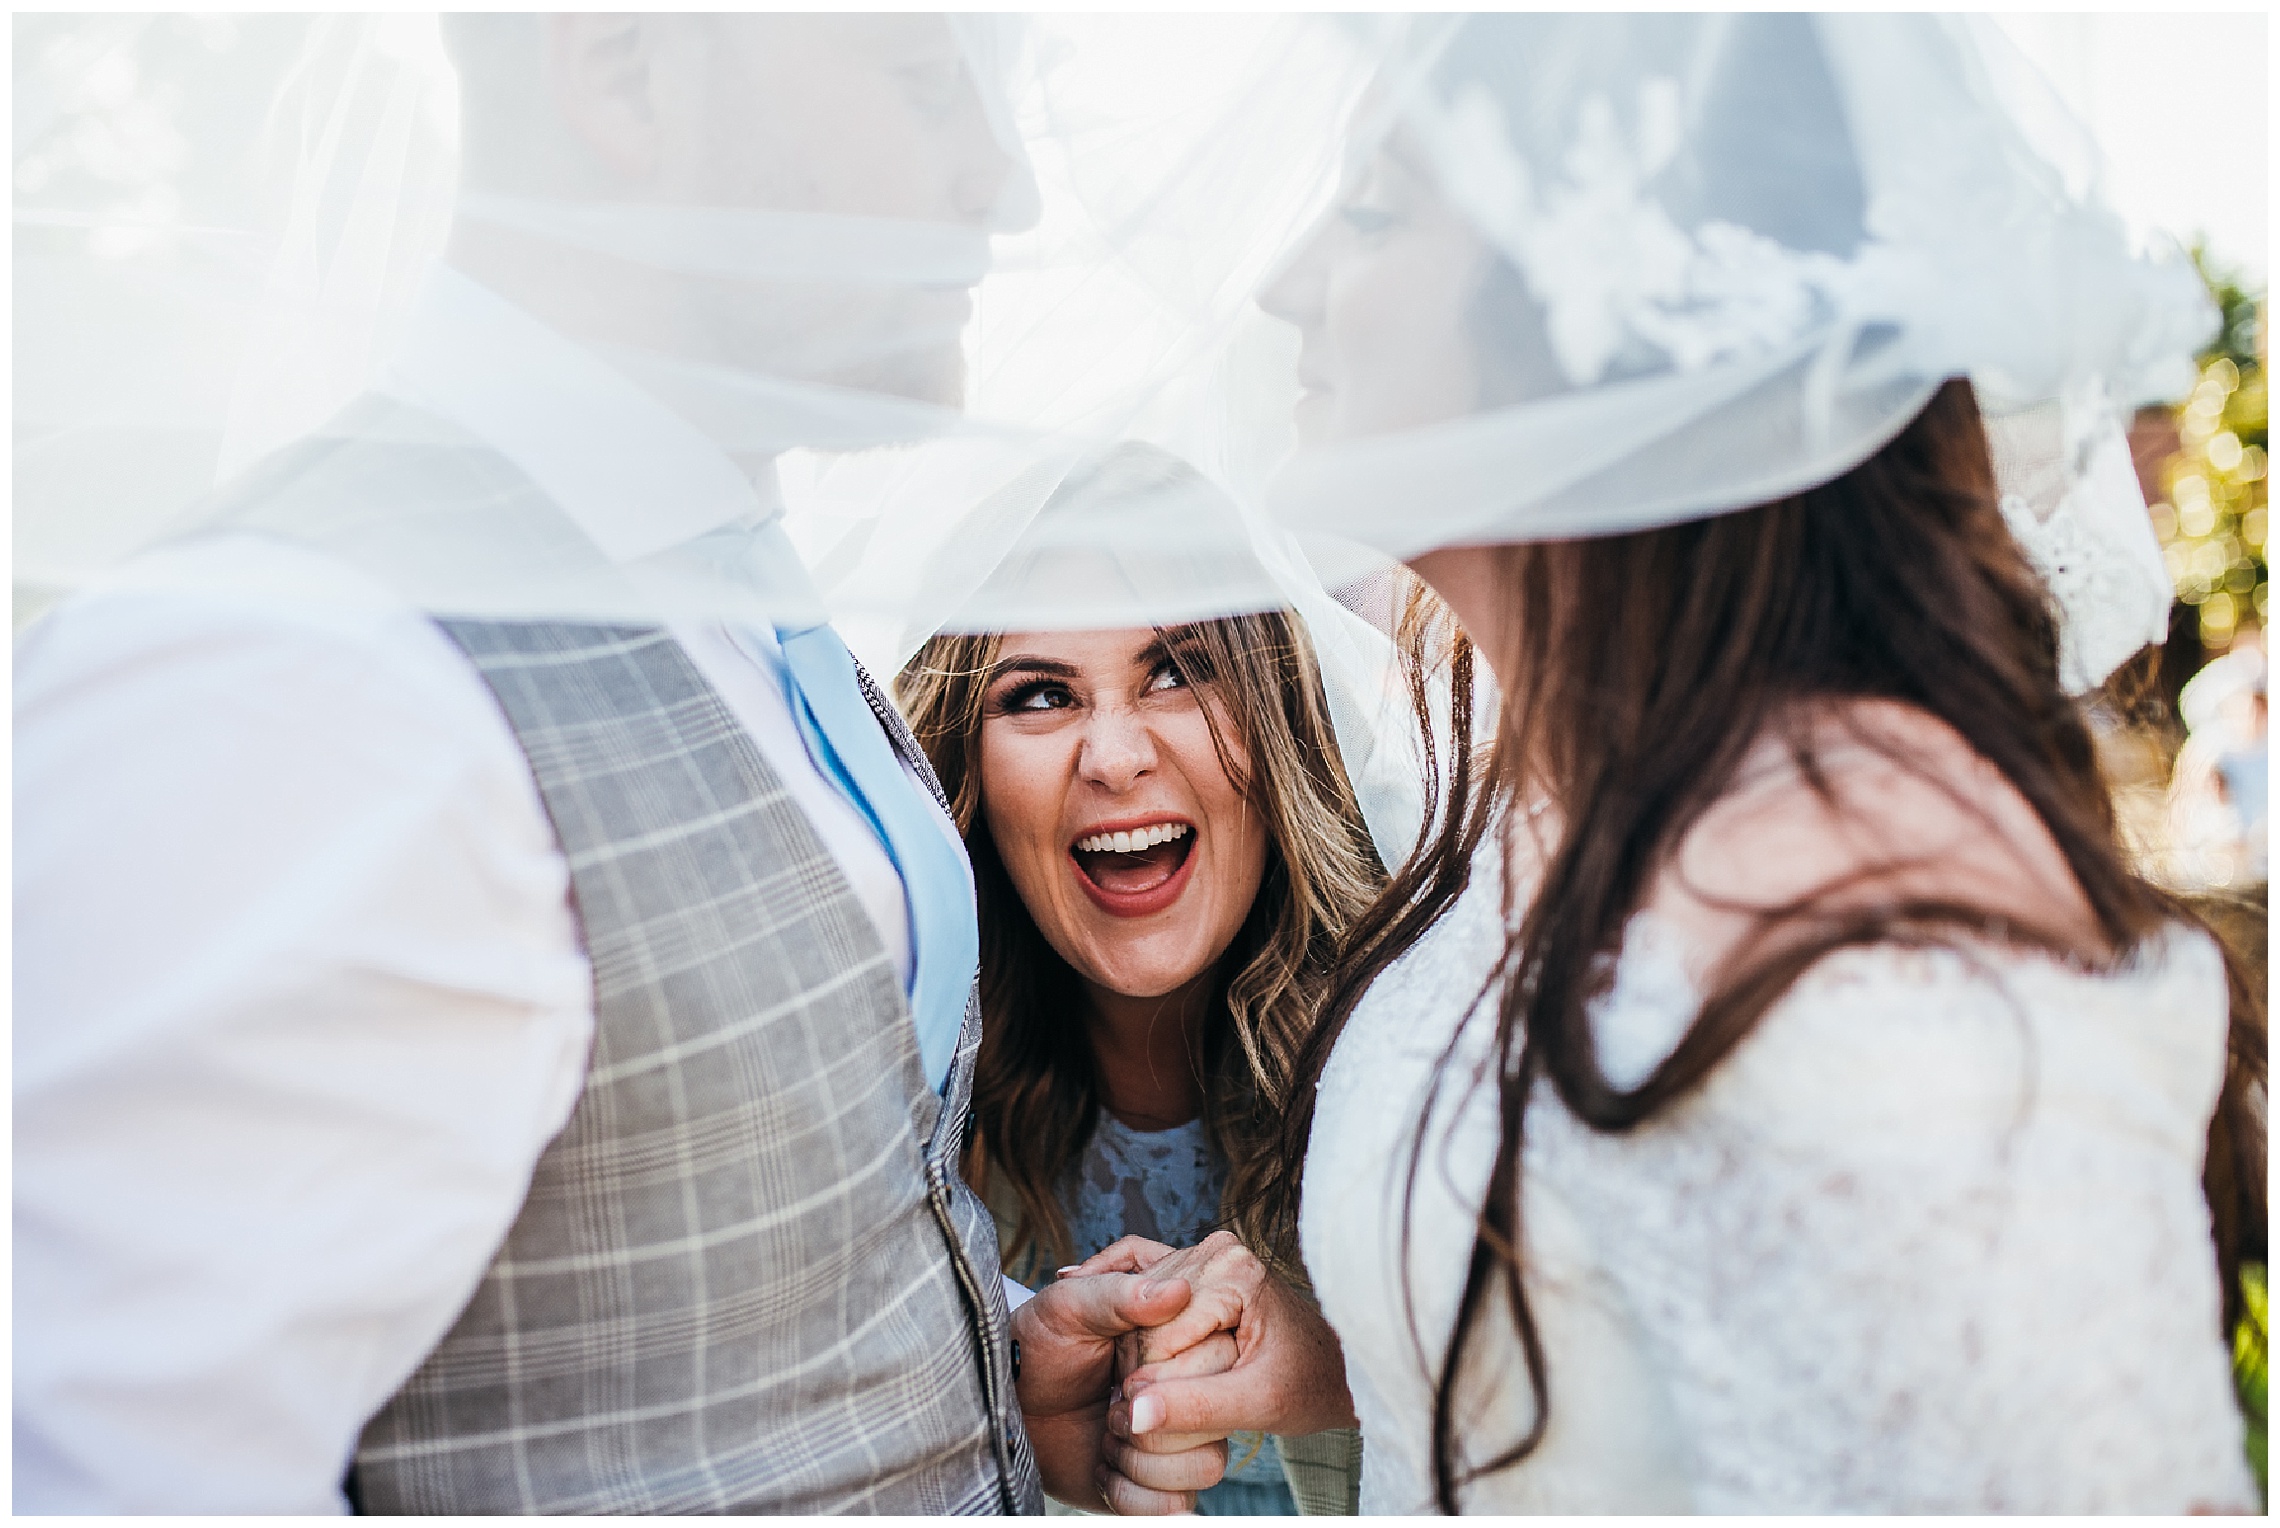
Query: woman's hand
[
  {"x": 1068, "y": 1336},
  {"x": 1139, "y": 1255},
  {"x": 1231, "y": 1290},
  {"x": 1166, "y": 1480},
  {"x": 1127, "y": 1254},
  {"x": 1288, "y": 1375}
]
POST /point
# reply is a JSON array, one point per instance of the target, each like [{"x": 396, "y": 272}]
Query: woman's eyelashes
[{"x": 1035, "y": 695}]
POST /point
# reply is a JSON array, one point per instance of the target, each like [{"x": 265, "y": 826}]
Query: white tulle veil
[
  {"x": 1027, "y": 241},
  {"x": 1686, "y": 263}
]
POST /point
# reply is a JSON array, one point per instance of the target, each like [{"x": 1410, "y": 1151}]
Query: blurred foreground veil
[
  {"x": 870, "y": 285},
  {"x": 874, "y": 287}
]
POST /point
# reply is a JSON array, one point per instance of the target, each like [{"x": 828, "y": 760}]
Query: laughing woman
[{"x": 1167, "y": 852}]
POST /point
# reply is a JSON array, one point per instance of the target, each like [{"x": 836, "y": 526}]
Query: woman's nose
[
  {"x": 1118, "y": 750},
  {"x": 1295, "y": 293}
]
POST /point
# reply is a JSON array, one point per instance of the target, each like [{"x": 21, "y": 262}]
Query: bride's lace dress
[{"x": 1931, "y": 1240}]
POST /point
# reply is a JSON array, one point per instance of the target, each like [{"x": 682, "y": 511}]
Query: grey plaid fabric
[{"x": 748, "y": 1276}]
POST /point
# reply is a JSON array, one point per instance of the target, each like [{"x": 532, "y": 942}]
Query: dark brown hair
[
  {"x": 1642, "y": 669},
  {"x": 1036, "y": 1087}
]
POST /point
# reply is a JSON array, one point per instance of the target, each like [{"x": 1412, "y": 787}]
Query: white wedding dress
[{"x": 1931, "y": 1240}]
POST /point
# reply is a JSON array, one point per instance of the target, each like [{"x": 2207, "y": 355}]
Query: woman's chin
[
  {"x": 1150, "y": 986},
  {"x": 1141, "y": 976}
]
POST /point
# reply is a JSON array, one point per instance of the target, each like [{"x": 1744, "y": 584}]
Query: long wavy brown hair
[
  {"x": 1036, "y": 1084},
  {"x": 1896, "y": 582}
]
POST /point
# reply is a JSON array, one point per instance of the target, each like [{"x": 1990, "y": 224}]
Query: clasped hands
[{"x": 1139, "y": 1361}]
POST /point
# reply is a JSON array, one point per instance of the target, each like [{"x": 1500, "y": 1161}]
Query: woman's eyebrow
[
  {"x": 1027, "y": 663},
  {"x": 1156, "y": 652},
  {"x": 1178, "y": 644}
]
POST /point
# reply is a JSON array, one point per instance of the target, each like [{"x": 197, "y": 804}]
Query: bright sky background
[{"x": 2179, "y": 103}]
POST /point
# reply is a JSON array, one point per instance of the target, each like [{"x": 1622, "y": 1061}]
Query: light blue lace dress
[{"x": 1165, "y": 1185}]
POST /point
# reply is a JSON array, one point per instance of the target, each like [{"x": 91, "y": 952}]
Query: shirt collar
[{"x": 635, "y": 476}]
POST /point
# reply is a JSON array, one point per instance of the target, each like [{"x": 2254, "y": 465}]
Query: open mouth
[{"x": 1136, "y": 871}]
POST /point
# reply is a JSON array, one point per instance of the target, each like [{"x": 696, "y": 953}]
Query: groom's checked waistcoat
[{"x": 748, "y": 1276}]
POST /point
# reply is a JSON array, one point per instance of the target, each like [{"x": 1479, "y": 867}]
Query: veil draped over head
[
  {"x": 871, "y": 289},
  {"x": 1593, "y": 274}
]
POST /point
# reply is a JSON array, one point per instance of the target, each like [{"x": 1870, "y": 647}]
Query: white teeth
[{"x": 1134, "y": 842}]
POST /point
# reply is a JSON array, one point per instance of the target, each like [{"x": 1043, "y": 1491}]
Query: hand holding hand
[
  {"x": 1288, "y": 1375},
  {"x": 1221, "y": 1275},
  {"x": 1068, "y": 1337},
  {"x": 1232, "y": 1291}
]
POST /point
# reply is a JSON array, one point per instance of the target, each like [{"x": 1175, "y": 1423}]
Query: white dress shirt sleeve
[{"x": 299, "y": 1002}]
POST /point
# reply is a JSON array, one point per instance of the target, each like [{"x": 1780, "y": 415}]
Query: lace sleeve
[{"x": 1933, "y": 1240}]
